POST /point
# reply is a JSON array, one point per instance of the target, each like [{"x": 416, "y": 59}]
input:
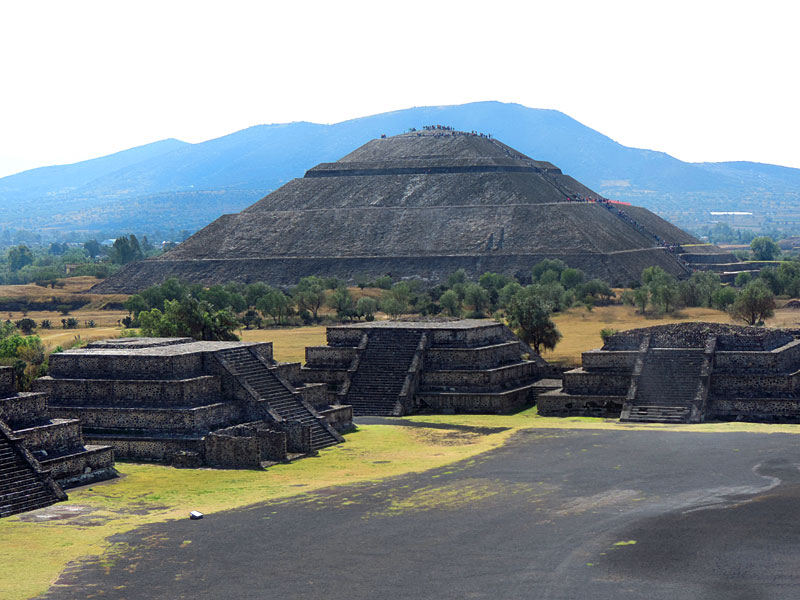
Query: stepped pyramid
[{"x": 420, "y": 204}]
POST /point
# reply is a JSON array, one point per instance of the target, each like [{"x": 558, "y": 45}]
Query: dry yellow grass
[
  {"x": 580, "y": 328},
  {"x": 288, "y": 345}
]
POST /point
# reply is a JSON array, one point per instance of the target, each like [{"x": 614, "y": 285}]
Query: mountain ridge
[{"x": 235, "y": 167}]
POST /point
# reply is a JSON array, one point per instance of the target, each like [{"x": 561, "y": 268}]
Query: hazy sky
[{"x": 701, "y": 80}]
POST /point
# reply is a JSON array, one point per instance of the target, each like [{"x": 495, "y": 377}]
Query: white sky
[{"x": 701, "y": 80}]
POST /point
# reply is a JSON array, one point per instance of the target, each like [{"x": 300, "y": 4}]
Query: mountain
[{"x": 189, "y": 185}]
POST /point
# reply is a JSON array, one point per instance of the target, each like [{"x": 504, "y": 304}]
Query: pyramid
[{"x": 421, "y": 204}]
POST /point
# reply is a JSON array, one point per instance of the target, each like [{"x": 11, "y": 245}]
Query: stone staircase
[
  {"x": 22, "y": 488},
  {"x": 376, "y": 385},
  {"x": 668, "y": 386},
  {"x": 280, "y": 399}
]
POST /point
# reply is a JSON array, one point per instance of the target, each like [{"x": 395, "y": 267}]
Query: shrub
[
  {"x": 64, "y": 309},
  {"x": 607, "y": 332}
]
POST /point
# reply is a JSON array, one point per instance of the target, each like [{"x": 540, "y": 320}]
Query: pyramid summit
[{"x": 420, "y": 204}]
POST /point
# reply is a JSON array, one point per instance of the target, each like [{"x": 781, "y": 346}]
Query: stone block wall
[
  {"x": 620, "y": 360},
  {"x": 23, "y": 409},
  {"x": 8, "y": 385},
  {"x": 69, "y": 365},
  {"x": 181, "y": 420},
  {"x": 148, "y": 449},
  {"x": 745, "y": 384},
  {"x": 582, "y": 382},
  {"x": 478, "y": 379},
  {"x": 340, "y": 417},
  {"x": 484, "y": 357},
  {"x": 330, "y": 356},
  {"x": 58, "y": 436},
  {"x": 195, "y": 391}
]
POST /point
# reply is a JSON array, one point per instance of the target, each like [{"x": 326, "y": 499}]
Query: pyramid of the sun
[{"x": 421, "y": 204}]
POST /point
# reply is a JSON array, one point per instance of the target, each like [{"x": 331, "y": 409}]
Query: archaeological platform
[
  {"x": 190, "y": 403},
  {"x": 41, "y": 453},
  {"x": 685, "y": 373},
  {"x": 394, "y": 368}
]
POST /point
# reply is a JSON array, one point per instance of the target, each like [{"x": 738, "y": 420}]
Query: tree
[
  {"x": 92, "y": 247},
  {"x": 571, "y": 278},
  {"x": 641, "y": 298},
  {"x": 723, "y": 297},
  {"x": 342, "y": 302},
  {"x": 126, "y": 249},
  {"x": 754, "y": 303},
  {"x": 19, "y": 257},
  {"x": 190, "y": 318},
  {"x": 477, "y": 297},
  {"x": 392, "y": 306},
  {"x": 662, "y": 286},
  {"x": 450, "y": 302},
  {"x": 742, "y": 279},
  {"x": 763, "y": 248},
  {"x": 366, "y": 307},
  {"x": 529, "y": 316},
  {"x": 276, "y": 304},
  {"x": 309, "y": 294}
]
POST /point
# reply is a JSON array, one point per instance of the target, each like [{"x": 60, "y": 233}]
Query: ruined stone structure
[
  {"x": 685, "y": 373},
  {"x": 40, "y": 455},
  {"x": 421, "y": 204},
  {"x": 226, "y": 404},
  {"x": 395, "y": 368},
  {"x": 708, "y": 257}
]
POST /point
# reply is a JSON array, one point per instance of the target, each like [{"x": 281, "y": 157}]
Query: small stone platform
[
  {"x": 226, "y": 404},
  {"x": 686, "y": 373},
  {"x": 393, "y": 368}
]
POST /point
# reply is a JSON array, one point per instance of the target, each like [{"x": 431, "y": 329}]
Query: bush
[
  {"x": 607, "y": 333},
  {"x": 64, "y": 309},
  {"x": 385, "y": 282},
  {"x": 46, "y": 324},
  {"x": 26, "y": 325}
]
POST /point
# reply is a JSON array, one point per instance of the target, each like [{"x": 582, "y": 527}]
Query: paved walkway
[{"x": 552, "y": 515}]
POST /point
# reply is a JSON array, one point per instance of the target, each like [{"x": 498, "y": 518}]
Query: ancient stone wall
[
  {"x": 8, "y": 385},
  {"x": 23, "y": 409},
  {"x": 472, "y": 358},
  {"x": 483, "y": 378}
]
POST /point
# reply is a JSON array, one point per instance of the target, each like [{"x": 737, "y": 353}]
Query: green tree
[
  {"x": 641, "y": 298},
  {"x": 276, "y": 304},
  {"x": 392, "y": 306},
  {"x": 723, "y": 297},
  {"x": 571, "y": 278},
  {"x": 190, "y": 318},
  {"x": 662, "y": 286},
  {"x": 529, "y": 316},
  {"x": 763, "y": 248},
  {"x": 342, "y": 302},
  {"x": 126, "y": 249},
  {"x": 742, "y": 279},
  {"x": 309, "y": 294},
  {"x": 366, "y": 307},
  {"x": 92, "y": 248},
  {"x": 754, "y": 303},
  {"x": 18, "y": 257},
  {"x": 478, "y": 298},
  {"x": 450, "y": 303},
  {"x": 456, "y": 277}
]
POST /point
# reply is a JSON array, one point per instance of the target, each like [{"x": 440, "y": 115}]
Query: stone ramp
[
  {"x": 280, "y": 399},
  {"x": 668, "y": 386},
  {"x": 22, "y": 486},
  {"x": 375, "y": 387}
]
